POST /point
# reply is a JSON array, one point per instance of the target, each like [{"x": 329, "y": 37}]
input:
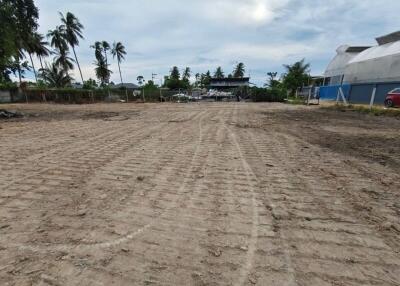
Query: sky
[{"x": 205, "y": 34}]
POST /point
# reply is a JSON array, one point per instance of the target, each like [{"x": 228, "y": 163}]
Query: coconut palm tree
[
  {"x": 58, "y": 38},
  {"x": 31, "y": 46},
  {"x": 102, "y": 72},
  {"x": 41, "y": 48},
  {"x": 55, "y": 76},
  {"x": 73, "y": 31},
  {"x": 118, "y": 51},
  {"x": 36, "y": 45},
  {"x": 106, "y": 46},
  {"x": 98, "y": 51},
  {"x": 219, "y": 73},
  {"x": 186, "y": 74},
  {"x": 63, "y": 60},
  {"x": 239, "y": 70}
]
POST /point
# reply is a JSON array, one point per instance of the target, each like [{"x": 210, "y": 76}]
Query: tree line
[
  {"x": 20, "y": 42},
  {"x": 177, "y": 81}
]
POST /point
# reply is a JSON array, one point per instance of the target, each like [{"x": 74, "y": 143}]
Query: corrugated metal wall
[
  {"x": 359, "y": 93},
  {"x": 330, "y": 92}
]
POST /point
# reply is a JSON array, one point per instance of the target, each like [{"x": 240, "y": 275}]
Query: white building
[
  {"x": 377, "y": 64},
  {"x": 335, "y": 72}
]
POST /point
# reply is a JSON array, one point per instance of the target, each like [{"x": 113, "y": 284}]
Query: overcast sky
[{"x": 204, "y": 34}]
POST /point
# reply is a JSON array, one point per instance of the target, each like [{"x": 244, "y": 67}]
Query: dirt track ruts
[{"x": 197, "y": 194}]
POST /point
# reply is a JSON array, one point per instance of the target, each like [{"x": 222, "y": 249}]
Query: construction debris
[{"x": 5, "y": 114}]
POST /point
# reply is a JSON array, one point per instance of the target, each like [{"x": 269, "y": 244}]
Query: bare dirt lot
[{"x": 198, "y": 194}]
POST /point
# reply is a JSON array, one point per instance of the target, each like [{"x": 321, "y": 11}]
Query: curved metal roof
[
  {"x": 386, "y": 50},
  {"x": 338, "y": 65}
]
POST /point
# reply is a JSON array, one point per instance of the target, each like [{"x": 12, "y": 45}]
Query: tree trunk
[
  {"x": 105, "y": 53},
  {"x": 79, "y": 67},
  {"x": 122, "y": 82},
  {"x": 19, "y": 74},
  {"x": 33, "y": 66},
  {"x": 120, "y": 74},
  {"x": 41, "y": 64}
]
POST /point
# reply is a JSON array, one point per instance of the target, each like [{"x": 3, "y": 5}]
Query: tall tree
[
  {"x": 175, "y": 74},
  {"x": 57, "y": 38},
  {"x": 173, "y": 81},
  {"x": 59, "y": 42},
  {"x": 205, "y": 79},
  {"x": 102, "y": 72},
  {"x": 106, "y": 47},
  {"x": 118, "y": 51},
  {"x": 296, "y": 75},
  {"x": 64, "y": 61},
  {"x": 98, "y": 51},
  {"x": 186, "y": 74},
  {"x": 31, "y": 47},
  {"x": 18, "y": 21},
  {"x": 271, "y": 81},
  {"x": 41, "y": 48},
  {"x": 55, "y": 76},
  {"x": 239, "y": 70},
  {"x": 219, "y": 73},
  {"x": 73, "y": 31}
]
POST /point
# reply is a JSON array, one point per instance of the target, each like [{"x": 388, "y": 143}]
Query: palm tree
[
  {"x": 63, "y": 60},
  {"x": 98, "y": 50},
  {"x": 219, "y": 73},
  {"x": 73, "y": 31},
  {"x": 186, "y": 74},
  {"x": 106, "y": 46},
  {"x": 36, "y": 45},
  {"x": 41, "y": 48},
  {"x": 102, "y": 71},
  {"x": 296, "y": 75},
  {"x": 239, "y": 70},
  {"x": 58, "y": 38},
  {"x": 54, "y": 76},
  {"x": 31, "y": 46},
  {"x": 118, "y": 51}
]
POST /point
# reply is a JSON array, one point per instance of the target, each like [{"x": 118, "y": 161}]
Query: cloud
[
  {"x": 204, "y": 34},
  {"x": 246, "y": 12}
]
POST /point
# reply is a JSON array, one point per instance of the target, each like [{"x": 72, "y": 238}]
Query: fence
[
  {"x": 331, "y": 92},
  {"x": 81, "y": 96},
  {"x": 360, "y": 93}
]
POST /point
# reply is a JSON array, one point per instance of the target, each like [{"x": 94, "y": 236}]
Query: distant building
[
  {"x": 377, "y": 64},
  {"x": 77, "y": 85},
  {"x": 229, "y": 83},
  {"x": 363, "y": 71},
  {"x": 128, "y": 85},
  {"x": 334, "y": 73}
]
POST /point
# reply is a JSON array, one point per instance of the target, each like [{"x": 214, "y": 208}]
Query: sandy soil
[{"x": 198, "y": 194}]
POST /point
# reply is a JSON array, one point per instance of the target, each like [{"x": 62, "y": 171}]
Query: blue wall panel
[{"x": 330, "y": 92}]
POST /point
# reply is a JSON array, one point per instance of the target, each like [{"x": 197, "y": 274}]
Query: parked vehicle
[{"x": 393, "y": 98}]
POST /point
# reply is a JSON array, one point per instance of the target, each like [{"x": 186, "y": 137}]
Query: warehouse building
[{"x": 358, "y": 70}]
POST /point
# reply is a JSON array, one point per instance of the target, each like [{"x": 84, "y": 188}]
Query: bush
[
  {"x": 267, "y": 94},
  {"x": 8, "y": 86}
]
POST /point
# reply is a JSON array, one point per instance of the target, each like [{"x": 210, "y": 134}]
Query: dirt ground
[{"x": 198, "y": 194}]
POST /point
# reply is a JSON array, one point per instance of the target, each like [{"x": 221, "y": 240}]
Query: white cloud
[
  {"x": 204, "y": 34},
  {"x": 245, "y": 12}
]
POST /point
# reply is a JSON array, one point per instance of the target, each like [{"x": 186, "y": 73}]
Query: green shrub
[
  {"x": 8, "y": 86},
  {"x": 267, "y": 94}
]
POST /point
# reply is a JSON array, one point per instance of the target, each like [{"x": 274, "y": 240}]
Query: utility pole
[{"x": 153, "y": 76}]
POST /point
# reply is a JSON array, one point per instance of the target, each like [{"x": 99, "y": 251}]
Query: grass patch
[
  {"x": 377, "y": 111},
  {"x": 295, "y": 101}
]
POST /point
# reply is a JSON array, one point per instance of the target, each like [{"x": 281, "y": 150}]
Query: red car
[{"x": 393, "y": 98}]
